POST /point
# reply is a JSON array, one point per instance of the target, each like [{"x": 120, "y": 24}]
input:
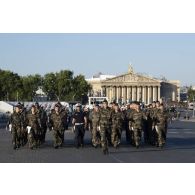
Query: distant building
[
  {"x": 134, "y": 87},
  {"x": 95, "y": 82},
  {"x": 40, "y": 96}
]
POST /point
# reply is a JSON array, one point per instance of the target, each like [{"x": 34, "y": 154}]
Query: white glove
[
  {"x": 98, "y": 128},
  {"x": 10, "y": 127},
  {"x": 29, "y": 128}
]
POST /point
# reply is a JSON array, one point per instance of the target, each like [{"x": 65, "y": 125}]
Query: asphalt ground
[{"x": 180, "y": 148}]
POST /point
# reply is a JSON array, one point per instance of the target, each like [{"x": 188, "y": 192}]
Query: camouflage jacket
[
  {"x": 33, "y": 120},
  {"x": 117, "y": 119},
  {"x": 161, "y": 117},
  {"x": 58, "y": 121},
  {"x": 17, "y": 120},
  {"x": 105, "y": 117},
  {"x": 137, "y": 119},
  {"x": 94, "y": 117}
]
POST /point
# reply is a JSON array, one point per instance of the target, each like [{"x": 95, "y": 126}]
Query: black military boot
[
  {"x": 14, "y": 147},
  {"x": 105, "y": 152}
]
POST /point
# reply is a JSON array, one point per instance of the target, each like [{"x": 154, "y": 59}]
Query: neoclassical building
[{"x": 136, "y": 87}]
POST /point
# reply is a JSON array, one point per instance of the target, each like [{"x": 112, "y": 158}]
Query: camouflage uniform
[
  {"x": 33, "y": 120},
  {"x": 18, "y": 126},
  {"x": 105, "y": 121},
  {"x": 161, "y": 126},
  {"x": 58, "y": 123},
  {"x": 137, "y": 126},
  {"x": 130, "y": 124},
  {"x": 117, "y": 122},
  {"x": 94, "y": 117}
]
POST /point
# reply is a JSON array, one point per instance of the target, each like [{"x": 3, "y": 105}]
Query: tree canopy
[{"x": 62, "y": 86}]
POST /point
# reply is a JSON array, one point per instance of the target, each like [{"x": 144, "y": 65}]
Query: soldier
[
  {"x": 105, "y": 121},
  {"x": 129, "y": 116},
  {"x": 57, "y": 122},
  {"x": 117, "y": 118},
  {"x": 43, "y": 117},
  {"x": 127, "y": 128},
  {"x": 17, "y": 124},
  {"x": 34, "y": 127},
  {"x": 80, "y": 123},
  {"x": 161, "y": 121},
  {"x": 94, "y": 117},
  {"x": 86, "y": 113},
  {"x": 137, "y": 118}
]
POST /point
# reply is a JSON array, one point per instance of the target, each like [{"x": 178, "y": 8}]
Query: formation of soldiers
[{"x": 105, "y": 122}]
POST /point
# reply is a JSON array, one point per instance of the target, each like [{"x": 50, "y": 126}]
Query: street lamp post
[{"x": 193, "y": 107}]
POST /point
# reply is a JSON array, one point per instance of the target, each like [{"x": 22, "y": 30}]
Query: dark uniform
[
  {"x": 43, "y": 117},
  {"x": 79, "y": 128}
]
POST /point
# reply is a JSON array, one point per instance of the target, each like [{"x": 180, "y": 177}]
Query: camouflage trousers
[
  {"x": 136, "y": 137},
  {"x": 95, "y": 135},
  {"x": 16, "y": 136},
  {"x": 105, "y": 136},
  {"x": 116, "y": 135},
  {"x": 58, "y": 137},
  {"x": 34, "y": 138},
  {"x": 161, "y": 135}
]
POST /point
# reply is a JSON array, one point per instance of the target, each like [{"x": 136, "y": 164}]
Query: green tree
[
  {"x": 49, "y": 86},
  {"x": 191, "y": 94},
  {"x": 31, "y": 84},
  {"x": 10, "y": 86}
]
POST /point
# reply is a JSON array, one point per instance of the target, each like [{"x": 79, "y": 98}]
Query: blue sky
[{"x": 170, "y": 55}]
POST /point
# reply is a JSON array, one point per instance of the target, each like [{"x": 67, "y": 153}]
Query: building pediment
[{"x": 131, "y": 78}]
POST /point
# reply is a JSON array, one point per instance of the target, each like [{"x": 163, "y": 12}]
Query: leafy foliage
[{"x": 61, "y": 86}]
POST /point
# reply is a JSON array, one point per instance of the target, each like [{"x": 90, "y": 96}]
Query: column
[
  {"x": 159, "y": 93},
  {"x": 122, "y": 94},
  {"x": 144, "y": 94},
  {"x": 128, "y": 93},
  {"x": 149, "y": 94},
  {"x": 113, "y": 93},
  {"x": 117, "y": 94},
  {"x": 110, "y": 95},
  {"x": 153, "y": 93},
  {"x": 138, "y": 94},
  {"x": 133, "y": 93}
]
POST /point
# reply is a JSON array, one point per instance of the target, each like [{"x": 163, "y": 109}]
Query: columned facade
[{"x": 128, "y": 93}]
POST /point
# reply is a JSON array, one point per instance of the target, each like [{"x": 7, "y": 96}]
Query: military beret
[
  {"x": 105, "y": 101},
  {"x": 57, "y": 105},
  {"x": 78, "y": 105},
  {"x": 18, "y": 106}
]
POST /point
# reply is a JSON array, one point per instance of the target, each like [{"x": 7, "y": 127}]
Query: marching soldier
[
  {"x": 117, "y": 118},
  {"x": 17, "y": 126},
  {"x": 105, "y": 121},
  {"x": 161, "y": 123},
  {"x": 79, "y": 122},
  {"x": 137, "y": 117},
  {"x": 57, "y": 122},
  {"x": 43, "y": 117},
  {"x": 34, "y": 127},
  {"x": 94, "y": 117}
]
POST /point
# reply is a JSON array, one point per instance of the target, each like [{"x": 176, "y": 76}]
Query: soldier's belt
[{"x": 76, "y": 124}]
